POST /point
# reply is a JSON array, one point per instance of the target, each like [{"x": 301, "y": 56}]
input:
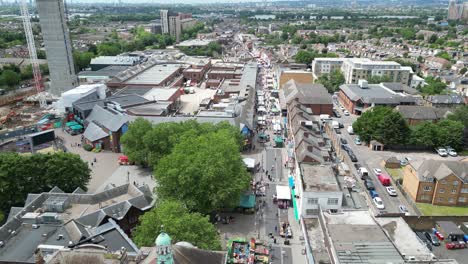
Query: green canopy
[
  {"x": 71, "y": 123},
  {"x": 247, "y": 201},
  {"x": 279, "y": 141},
  {"x": 76, "y": 127}
]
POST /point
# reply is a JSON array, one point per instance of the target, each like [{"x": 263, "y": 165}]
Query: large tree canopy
[
  {"x": 332, "y": 81},
  {"x": 20, "y": 175},
  {"x": 179, "y": 223},
  {"x": 382, "y": 124},
  {"x": 205, "y": 172}
]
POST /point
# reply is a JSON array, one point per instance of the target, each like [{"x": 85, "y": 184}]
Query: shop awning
[
  {"x": 76, "y": 127},
  {"x": 71, "y": 123},
  {"x": 283, "y": 192},
  {"x": 247, "y": 201}
]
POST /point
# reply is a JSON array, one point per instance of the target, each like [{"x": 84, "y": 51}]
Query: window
[
  {"x": 312, "y": 201},
  {"x": 464, "y": 190},
  {"x": 427, "y": 188},
  {"x": 443, "y": 182},
  {"x": 461, "y": 199},
  {"x": 441, "y": 190},
  {"x": 454, "y": 190},
  {"x": 312, "y": 211},
  {"x": 425, "y": 198},
  {"x": 451, "y": 200},
  {"x": 440, "y": 199},
  {"x": 455, "y": 183},
  {"x": 332, "y": 201}
]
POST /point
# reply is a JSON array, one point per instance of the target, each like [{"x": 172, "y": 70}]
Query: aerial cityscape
[{"x": 222, "y": 132}]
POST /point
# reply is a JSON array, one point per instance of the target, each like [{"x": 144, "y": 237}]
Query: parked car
[
  {"x": 391, "y": 191},
  {"x": 432, "y": 238},
  {"x": 384, "y": 179},
  {"x": 369, "y": 185},
  {"x": 337, "y": 131},
  {"x": 336, "y": 113},
  {"x": 357, "y": 141},
  {"x": 378, "y": 203},
  {"x": 373, "y": 194},
  {"x": 451, "y": 151},
  {"x": 350, "y": 130},
  {"x": 346, "y": 112},
  {"x": 357, "y": 166},
  {"x": 342, "y": 108},
  {"x": 345, "y": 147},
  {"x": 442, "y": 152},
  {"x": 352, "y": 156},
  {"x": 377, "y": 171},
  {"x": 340, "y": 125},
  {"x": 403, "y": 162},
  {"x": 403, "y": 209},
  {"x": 363, "y": 172},
  {"x": 343, "y": 141}
]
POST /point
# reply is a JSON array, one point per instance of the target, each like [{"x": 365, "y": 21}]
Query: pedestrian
[
  {"x": 95, "y": 159},
  {"x": 276, "y": 229},
  {"x": 274, "y": 240},
  {"x": 92, "y": 164}
]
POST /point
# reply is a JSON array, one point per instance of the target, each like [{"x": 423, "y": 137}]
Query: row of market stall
[{"x": 249, "y": 252}]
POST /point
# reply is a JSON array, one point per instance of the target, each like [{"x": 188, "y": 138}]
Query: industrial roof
[
  {"x": 109, "y": 71},
  {"x": 160, "y": 94},
  {"x": 375, "y": 94},
  {"x": 154, "y": 75},
  {"x": 115, "y": 60},
  {"x": 93, "y": 132},
  {"x": 111, "y": 120}
]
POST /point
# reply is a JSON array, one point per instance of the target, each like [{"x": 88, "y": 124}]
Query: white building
[
  {"x": 320, "y": 189},
  {"x": 164, "y": 21}
]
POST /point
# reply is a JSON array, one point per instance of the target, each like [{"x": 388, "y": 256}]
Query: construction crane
[{"x": 38, "y": 84}]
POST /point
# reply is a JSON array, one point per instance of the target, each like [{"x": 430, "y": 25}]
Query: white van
[{"x": 350, "y": 130}]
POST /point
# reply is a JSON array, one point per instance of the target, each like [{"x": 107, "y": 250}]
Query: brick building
[
  {"x": 313, "y": 96},
  {"x": 439, "y": 182}
]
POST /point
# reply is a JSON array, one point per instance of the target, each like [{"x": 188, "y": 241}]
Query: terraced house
[{"x": 438, "y": 182}]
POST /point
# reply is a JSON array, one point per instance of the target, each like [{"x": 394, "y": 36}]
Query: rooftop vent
[{"x": 363, "y": 84}]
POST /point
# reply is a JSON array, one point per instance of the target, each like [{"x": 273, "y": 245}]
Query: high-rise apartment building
[
  {"x": 164, "y": 21},
  {"x": 175, "y": 28},
  {"x": 457, "y": 10},
  {"x": 355, "y": 69},
  {"x": 453, "y": 10},
  {"x": 57, "y": 45}
]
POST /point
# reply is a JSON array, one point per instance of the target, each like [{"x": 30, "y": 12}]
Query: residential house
[
  {"x": 437, "y": 63},
  {"x": 445, "y": 100},
  {"x": 415, "y": 114},
  {"x": 439, "y": 182}
]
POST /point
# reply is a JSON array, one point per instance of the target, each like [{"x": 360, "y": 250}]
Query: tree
[
  {"x": 373, "y": 124},
  {"x": 332, "y": 81},
  {"x": 433, "y": 38},
  {"x": 133, "y": 141},
  {"x": 434, "y": 86},
  {"x": 209, "y": 175},
  {"x": 444, "y": 55},
  {"x": 10, "y": 78},
  {"x": 109, "y": 49},
  {"x": 20, "y": 175},
  {"x": 379, "y": 79},
  {"x": 460, "y": 114},
  {"x": 423, "y": 134},
  {"x": 82, "y": 59},
  {"x": 449, "y": 133},
  {"x": 179, "y": 223},
  {"x": 463, "y": 70}
]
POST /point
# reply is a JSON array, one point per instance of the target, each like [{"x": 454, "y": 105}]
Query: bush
[{"x": 87, "y": 147}]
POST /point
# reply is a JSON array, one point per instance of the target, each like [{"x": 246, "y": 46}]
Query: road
[{"x": 370, "y": 160}]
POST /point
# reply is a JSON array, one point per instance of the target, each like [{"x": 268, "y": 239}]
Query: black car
[
  {"x": 340, "y": 125},
  {"x": 343, "y": 141},
  {"x": 357, "y": 166},
  {"x": 352, "y": 156},
  {"x": 365, "y": 178},
  {"x": 337, "y": 131},
  {"x": 369, "y": 185},
  {"x": 432, "y": 238},
  {"x": 336, "y": 114}
]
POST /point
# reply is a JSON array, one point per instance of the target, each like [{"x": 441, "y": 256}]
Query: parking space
[{"x": 441, "y": 252}]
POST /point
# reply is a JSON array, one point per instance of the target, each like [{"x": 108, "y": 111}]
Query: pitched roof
[
  {"x": 112, "y": 120},
  {"x": 417, "y": 112},
  {"x": 439, "y": 169},
  {"x": 93, "y": 132},
  {"x": 374, "y": 93},
  {"x": 446, "y": 99},
  {"x": 306, "y": 93}
]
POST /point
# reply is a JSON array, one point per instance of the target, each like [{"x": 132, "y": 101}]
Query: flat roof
[
  {"x": 375, "y": 93},
  {"x": 283, "y": 192},
  {"x": 154, "y": 75},
  {"x": 195, "y": 42},
  {"x": 160, "y": 94},
  {"x": 319, "y": 178}
]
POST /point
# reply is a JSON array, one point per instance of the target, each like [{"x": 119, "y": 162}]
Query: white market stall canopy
[
  {"x": 283, "y": 192},
  {"x": 249, "y": 162}
]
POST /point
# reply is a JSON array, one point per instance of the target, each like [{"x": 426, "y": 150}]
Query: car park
[
  {"x": 369, "y": 185},
  {"x": 451, "y": 151},
  {"x": 391, "y": 191},
  {"x": 377, "y": 171},
  {"x": 432, "y": 238},
  {"x": 378, "y": 203},
  {"x": 357, "y": 141},
  {"x": 403, "y": 209},
  {"x": 442, "y": 152}
]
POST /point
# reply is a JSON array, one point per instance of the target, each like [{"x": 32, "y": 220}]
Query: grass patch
[
  {"x": 463, "y": 152},
  {"x": 395, "y": 173},
  {"x": 436, "y": 210}
]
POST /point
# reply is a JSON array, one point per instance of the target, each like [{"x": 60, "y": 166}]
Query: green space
[
  {"x": 435, "y": 210},
  {"x": 395, "y": 173}
]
